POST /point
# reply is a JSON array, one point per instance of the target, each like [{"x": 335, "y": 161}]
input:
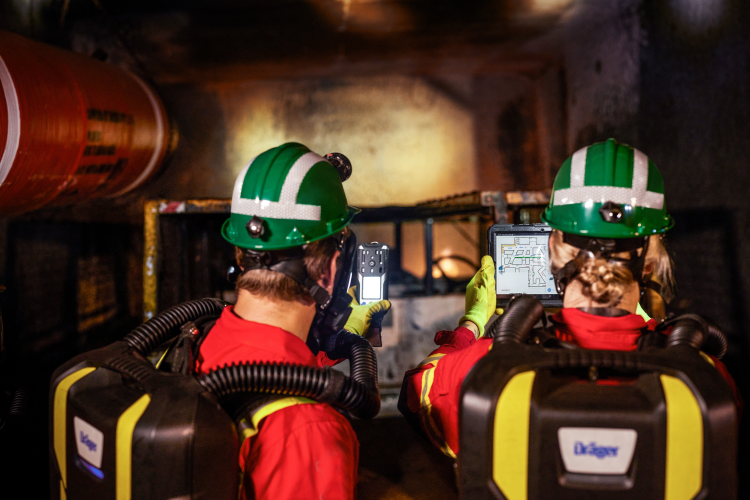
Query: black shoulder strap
[
  {"x": 204, "y": 324},
  {"x": 651, "y": 339},
  {"x": 182, "y": 354},
  {"x": 546, "y": 338}
]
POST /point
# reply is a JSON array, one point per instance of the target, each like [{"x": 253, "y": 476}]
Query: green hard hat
[
  {"x": 608, "y": 190},
  {"x": 297, "y": 195}
]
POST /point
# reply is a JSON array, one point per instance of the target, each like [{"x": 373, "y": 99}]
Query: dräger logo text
[
  {"x": 92, "y": 445},
  {"x": 592, "y": 449}
]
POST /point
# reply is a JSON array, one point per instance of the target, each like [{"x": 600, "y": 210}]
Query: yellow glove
[
  {"x": 481, "y": 296},
  {"x": 362, "y": 316}
]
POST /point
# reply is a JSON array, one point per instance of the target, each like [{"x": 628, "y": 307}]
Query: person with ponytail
[
  {"x": 605, "y": 288},
  {"x": 607, "y": 254}
]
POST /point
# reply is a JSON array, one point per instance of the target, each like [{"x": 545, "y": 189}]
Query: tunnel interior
[{"x": 430, "y": 100}]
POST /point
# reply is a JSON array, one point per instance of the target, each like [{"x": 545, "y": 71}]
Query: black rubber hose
[
  {"x": 688, "y": 330},
  {"x": 19, "y": 403},
  {"x": 166, "y": 324},
  {"x": 716, "y": 342},
  {"x": 357, "y": 394},
  {"x": 699, "y": 333},
  {"x": 517, "y": 321},
  {"x": 363, "y": 365},
  {"x": 321, "y": 384}
]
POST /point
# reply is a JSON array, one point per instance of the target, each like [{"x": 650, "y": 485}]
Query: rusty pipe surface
[{"x": 72, "y": 128}]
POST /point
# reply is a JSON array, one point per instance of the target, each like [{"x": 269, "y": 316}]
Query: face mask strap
[
  {"x": 594, "y": 248},
  {"x": 331, "y": 316},
  {"x": 290, "y": 262}
]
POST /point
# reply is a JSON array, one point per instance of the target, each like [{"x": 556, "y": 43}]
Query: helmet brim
[{"x": 278, "y": 243}]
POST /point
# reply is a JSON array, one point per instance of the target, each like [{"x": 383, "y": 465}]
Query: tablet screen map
[{"x": 522, "y": 265}]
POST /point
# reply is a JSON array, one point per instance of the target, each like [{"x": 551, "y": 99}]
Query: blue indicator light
[
  {"x": 98, "y": 473},
  {"x": 549, "y": 289},
  {"x": 83, "y": 464}
]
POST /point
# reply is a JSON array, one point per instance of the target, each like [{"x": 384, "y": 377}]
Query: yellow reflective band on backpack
[
  {"x": 267, "y": 409},
  {"x": 59, "y": 425},
  {"x": 163, "y": 355},
  {"x": 428, "y": 423},
  {"x": 707, "y": 358},
  {"x": 510, "y": 460},
  {"x": 684, "y": 467},
  {"x": 124, "y": 446}
]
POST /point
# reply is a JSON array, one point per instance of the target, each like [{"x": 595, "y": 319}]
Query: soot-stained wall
[{"x": 693, "y": 117}]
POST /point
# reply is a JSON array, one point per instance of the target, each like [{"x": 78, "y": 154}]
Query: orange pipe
[{"x": 72, "y": 128}]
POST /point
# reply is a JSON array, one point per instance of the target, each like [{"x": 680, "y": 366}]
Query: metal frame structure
[{"x": 490, "y": 206}]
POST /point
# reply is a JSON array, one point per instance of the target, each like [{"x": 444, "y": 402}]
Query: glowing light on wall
[
  {"x": 408, "y": 142},
  {"x": 365, "y": 15},
  {"x": 447, "y": 241},
  {"x": 449, "y": 266},
  {"x": 548, "y": 5},
  {"x": 698, "y": 15}
]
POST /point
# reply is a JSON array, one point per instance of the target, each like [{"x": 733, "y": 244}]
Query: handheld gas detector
[{"x": 372, "y": 274}]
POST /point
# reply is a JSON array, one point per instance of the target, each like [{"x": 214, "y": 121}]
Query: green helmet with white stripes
[
  {"x": 285, "y": 197},
  {"x": 608, "y": 190}
]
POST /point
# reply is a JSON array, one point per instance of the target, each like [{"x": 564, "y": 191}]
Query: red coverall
[
  {"x": 433, "y": 388},
  {"x": 300, "y": 451}
]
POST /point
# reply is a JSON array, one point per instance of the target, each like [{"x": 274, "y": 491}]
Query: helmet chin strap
[
  {"x": 332, "y": 309},
  {"x": 595, "y": 248}
]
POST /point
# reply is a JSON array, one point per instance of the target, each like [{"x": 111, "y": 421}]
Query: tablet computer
[{"x": 521, "y": 255}]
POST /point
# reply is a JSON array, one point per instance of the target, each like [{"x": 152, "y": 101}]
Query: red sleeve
[
  {"x": 430, "y": 392},
  {"x": 721, "y": 367},
  {"x": 308, "y": 451},
  {"x": 324, "y": 360}
]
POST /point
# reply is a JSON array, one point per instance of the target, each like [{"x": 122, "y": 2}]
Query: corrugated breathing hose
[
  {"x": 519, "y": 319},
  {"x": 165, "y": 325},
  {"x": 357, "y": 394},
  {"x": 697, "y": 332},
  {"x": 693, "y": 330}
]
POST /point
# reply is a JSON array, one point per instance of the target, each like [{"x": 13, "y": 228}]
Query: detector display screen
[{"x": 371, "y": 287}]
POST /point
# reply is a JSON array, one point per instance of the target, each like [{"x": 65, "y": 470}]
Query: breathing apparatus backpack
[
  {"x": 120, "y": 428},
  {"x": 537, "y": 422}
]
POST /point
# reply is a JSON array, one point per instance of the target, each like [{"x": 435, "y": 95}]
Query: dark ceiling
[{"x": 214, "y": 40}]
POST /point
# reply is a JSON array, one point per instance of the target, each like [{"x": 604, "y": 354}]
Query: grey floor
[{"x": 396, "y": 463}]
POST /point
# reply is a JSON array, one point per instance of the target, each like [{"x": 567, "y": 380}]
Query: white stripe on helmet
[
  {"x": 287, "y": 206},
  {"x": 637, "y": 195},
  {"x": 603, "y": 194},
  {"x": 578, "y": 167},
  {"x": 640, "y": 171}
]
